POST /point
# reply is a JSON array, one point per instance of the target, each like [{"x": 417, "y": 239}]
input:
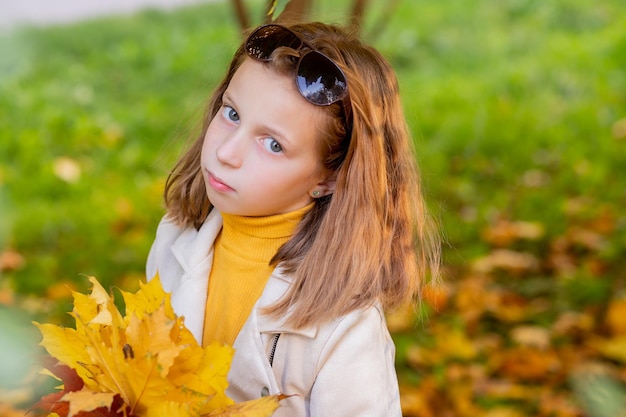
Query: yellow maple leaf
[
  {"x": 66, "y": 345},
  {"x": 147, "y": 357},
  {"x": 262, "y": 407},
  {"x": 209, "y": 376},
  {"x": 96, "y": 309},
  {"x": 86, "y": 400},
  {"x": 169, "y": 409},
  {"x": 147, "y": 300}
]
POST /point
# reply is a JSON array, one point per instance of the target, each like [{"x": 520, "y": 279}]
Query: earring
[{"x": 315, "y": 194}]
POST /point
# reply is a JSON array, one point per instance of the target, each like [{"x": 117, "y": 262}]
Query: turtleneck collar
[{"x": 258, "y": 238}]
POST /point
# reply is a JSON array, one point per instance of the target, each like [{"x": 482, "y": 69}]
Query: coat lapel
[
  {"x": 193, "y": 250},
  {"x": 276, "y": 287}
]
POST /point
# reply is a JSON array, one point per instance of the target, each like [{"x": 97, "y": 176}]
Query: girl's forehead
[
  {"x": 260, "y": 81},
  {"x": 262, "y": 95}
]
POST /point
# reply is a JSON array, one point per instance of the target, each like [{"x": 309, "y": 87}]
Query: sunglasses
[{"x": 318, "y": 78}]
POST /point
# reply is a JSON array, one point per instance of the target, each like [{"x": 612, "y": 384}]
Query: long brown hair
[{"x": 372, "y": 239}]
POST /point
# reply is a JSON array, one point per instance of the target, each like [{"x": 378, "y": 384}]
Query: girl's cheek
[
  {"x": 206, "y": 147},
  {"x": 212, "y": 131}
]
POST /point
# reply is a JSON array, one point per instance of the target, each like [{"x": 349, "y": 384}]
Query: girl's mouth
[{"x": 217, "y": 184}]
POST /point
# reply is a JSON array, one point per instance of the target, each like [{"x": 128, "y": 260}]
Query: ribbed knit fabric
[{"x": 241, "y": 269}]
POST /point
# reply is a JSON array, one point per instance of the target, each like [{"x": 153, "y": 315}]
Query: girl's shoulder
[
  {"x": 360, "y": 328},
  {"x": 368, "y": 320}
]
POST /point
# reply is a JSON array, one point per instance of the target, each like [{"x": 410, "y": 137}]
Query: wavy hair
[{"x": 370, "y": 241}]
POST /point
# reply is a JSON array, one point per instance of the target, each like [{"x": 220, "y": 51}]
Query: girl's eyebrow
[
  {"x": 226, "y": 97},
  {"x": 280, "y": 137}
]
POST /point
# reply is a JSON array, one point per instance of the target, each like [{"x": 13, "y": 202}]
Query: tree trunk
[
  {"x": 242, "y": 14},
  {"x": 358, "y": 9},
  {"x": 296, "y": 11}
]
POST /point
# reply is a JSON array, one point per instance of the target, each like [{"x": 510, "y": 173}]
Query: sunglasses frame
[{"x": 250, "y": 46}]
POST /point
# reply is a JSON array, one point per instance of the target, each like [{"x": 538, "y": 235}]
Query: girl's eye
[
  {"x": 272, "y": 146},
  {"x": 230, "y": 114}
]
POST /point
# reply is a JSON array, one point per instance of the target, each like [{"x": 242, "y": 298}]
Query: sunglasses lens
[
  {"x": 320, "y": 80},
  {"x": 262, "y": 42}
]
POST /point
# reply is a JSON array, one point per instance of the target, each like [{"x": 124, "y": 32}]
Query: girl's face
[{"x": 260, "y": 153}]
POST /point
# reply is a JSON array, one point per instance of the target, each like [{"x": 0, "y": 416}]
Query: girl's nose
[{"x": 230, "y": 151}]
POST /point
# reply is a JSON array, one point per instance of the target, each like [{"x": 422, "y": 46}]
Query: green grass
[
  {"x": 497, "y": 94},
  {"x": 115, "y": 96},
  {"x": 512, "y": 105}
]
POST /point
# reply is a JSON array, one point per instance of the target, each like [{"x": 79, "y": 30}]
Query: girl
[{"x": 295, "y": 218}]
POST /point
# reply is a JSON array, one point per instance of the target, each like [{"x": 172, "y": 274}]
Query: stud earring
[{"x": 315, "y": 194}]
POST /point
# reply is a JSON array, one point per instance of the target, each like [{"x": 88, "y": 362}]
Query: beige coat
[{"x": 343, "y": 368}]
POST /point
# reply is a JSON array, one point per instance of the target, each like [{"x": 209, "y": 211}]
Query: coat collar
[
  {"x": 276, "y": 287},
  {"x": 193, "y": 248}
]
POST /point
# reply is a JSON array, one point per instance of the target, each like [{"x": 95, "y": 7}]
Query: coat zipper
[{"x": 273, "y": 351}]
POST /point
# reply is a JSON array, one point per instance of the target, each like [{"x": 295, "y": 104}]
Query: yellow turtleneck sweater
[{"x": 242, "y": 252}]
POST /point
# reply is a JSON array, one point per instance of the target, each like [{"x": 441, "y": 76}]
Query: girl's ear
[{"x": 325, "y": 187}]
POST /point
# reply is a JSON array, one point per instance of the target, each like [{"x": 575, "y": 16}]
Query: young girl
[{"x": 295, "y": 218}]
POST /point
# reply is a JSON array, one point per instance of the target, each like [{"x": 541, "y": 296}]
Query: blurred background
[{"x": 518, "y": 110}]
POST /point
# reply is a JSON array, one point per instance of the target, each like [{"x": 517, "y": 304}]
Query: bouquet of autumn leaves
[{"x": 146, "y": 363}]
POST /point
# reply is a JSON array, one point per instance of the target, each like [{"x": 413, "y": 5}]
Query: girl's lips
[{"x": 217, "y": 184}]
